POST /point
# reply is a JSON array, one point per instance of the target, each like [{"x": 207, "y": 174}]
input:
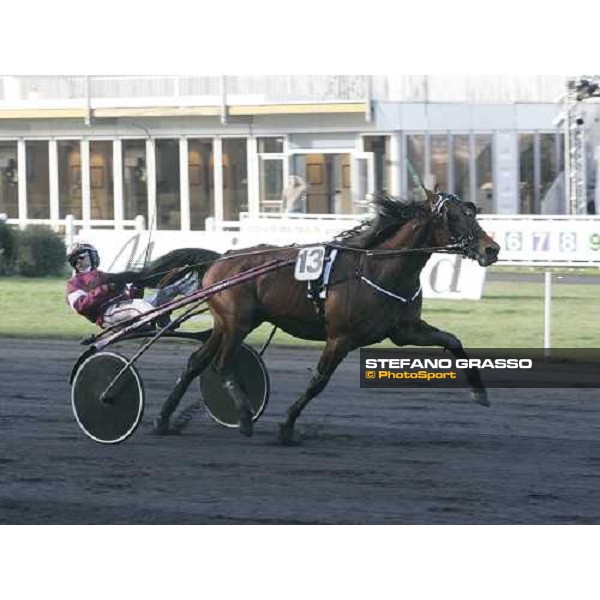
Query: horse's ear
[
  {"x": 431, "y": 196},
  {"x": 429, "y": 184}
]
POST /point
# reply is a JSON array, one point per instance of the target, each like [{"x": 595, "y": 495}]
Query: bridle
[{"x": 440, "y": 210}]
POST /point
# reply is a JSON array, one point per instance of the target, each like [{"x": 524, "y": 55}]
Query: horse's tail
[
  {"x": 168, "y": 268},
  {"x": 175, "y": 264}
]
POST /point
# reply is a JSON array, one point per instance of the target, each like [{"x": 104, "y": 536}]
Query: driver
[{"x": 102, "y": 303}]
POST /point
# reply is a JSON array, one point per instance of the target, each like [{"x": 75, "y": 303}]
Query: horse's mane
[{"x": 390, "y": 214}]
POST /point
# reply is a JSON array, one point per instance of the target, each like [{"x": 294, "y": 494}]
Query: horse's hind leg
[
  {"x": 423, "y": 334},
  {"x": 334, "y": 352},
  {"x": 197, "y": 362}
]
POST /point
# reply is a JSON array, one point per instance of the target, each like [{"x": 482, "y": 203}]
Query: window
[
  {"x": 38, "y": 180},
  {"x": 527, "y": 187},
  {"x": 270, "y": 145},
  {"x": 460, "y": 165},
  {"x": 101, "y": 180},
  {"x": 439, "y": 160},
  {"x": 69, "y": 178},
  {"x": 484, "y": 175},
  {"x": 202, "y": 186},
  {"x": 540, "y": 169},
  {"x": 9, "y": 179},
  {"x": 415, "y": 152},
  {"x": 551, "y": 168},
  {"x": 379, "y": 146},
  {"x": 168, "y": 204},
  {"x": 135, "y": 190},
  {"x": 235, "y": 178}
]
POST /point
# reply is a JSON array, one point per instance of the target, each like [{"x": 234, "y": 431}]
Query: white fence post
[
  {"x": 547, "y": 316},
  {"x": 69, "y": 230},
  {"x": 140, "y": 223}
]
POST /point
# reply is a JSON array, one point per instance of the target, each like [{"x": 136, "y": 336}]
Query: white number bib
[{"x": 309, "y": 264}]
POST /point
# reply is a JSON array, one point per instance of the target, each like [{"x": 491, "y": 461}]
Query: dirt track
[{"x": 366, "y": 456}]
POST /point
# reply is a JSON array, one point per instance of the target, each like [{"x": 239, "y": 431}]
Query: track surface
[{"x": 366, "y": 456}]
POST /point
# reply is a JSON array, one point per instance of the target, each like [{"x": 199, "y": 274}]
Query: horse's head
[{"x": 455, "y": 223}]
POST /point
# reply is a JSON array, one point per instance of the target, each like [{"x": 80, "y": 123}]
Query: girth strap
[{"x": 391, "y": 294}]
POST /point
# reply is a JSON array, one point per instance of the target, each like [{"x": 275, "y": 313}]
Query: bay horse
[{"x": 374, "y": 294}]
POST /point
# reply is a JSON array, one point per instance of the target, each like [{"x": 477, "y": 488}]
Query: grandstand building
[{"x": 194, "y": 153}]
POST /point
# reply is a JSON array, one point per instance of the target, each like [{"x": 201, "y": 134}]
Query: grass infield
[{"x": 509, "y": 315}]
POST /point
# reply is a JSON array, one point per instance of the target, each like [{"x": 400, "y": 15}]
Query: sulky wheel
[
  {"x": 252, "y": 376},
  {"x": 108, "y": 418}
]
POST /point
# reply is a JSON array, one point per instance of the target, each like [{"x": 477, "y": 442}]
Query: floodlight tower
[{"x": 578, "y": 90}]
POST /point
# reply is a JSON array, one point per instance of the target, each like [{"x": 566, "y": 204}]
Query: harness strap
[
  {"x": 391, "y": 294},
  {"x": 439, "y": 204},
  {"x": 317, "y": 288}
]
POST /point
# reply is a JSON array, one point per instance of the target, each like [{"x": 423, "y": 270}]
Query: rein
[
  {"x": 429, "y": 249},
  {"x": 449, "y": 249},
  {"x": 438, "y": 209}
]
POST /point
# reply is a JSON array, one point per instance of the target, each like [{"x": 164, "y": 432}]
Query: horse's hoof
[
  {"x": 184, "y": 418},
  {"x": 246, "y": 424},
  {"x": 161, "y": 426},
  {"x": 480, "y": 396},
  {"x": 286, "y": 434}
]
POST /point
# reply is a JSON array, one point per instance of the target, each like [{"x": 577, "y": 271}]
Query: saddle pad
[{"x": 317, "y": 289}]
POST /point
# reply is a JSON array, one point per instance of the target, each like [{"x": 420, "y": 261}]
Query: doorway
[{"x": 328, "y": 180}]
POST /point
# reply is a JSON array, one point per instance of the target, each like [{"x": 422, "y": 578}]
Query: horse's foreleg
[
  {"x": 197, "y": 362},
  {"x": 334, "y": 352},
  {"x": 240, "y": 401},
  {"x": 423, "y": 334},
  {"x": 224, "y": 364}
]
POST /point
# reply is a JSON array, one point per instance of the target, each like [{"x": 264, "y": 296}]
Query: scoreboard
[{"x": 545, "y": 240}]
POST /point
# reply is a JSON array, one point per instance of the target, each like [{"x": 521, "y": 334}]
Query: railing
[
  {"x": 269, "y": 216},
  {"x": 496, "y": 89},
  {"x": 292, "y": 88},
  {"x": 69, "y": 226},
  {"x": 321, "y": 225},
  {"x": 525, "y": 240},
  {"x": 97, "y": 91}
]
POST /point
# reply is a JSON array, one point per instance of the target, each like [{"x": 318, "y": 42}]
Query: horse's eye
[{"x": 470, "y": 210}]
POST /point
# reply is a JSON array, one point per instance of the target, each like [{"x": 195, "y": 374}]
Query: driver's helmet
[{"x": 79, "y": 250}]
